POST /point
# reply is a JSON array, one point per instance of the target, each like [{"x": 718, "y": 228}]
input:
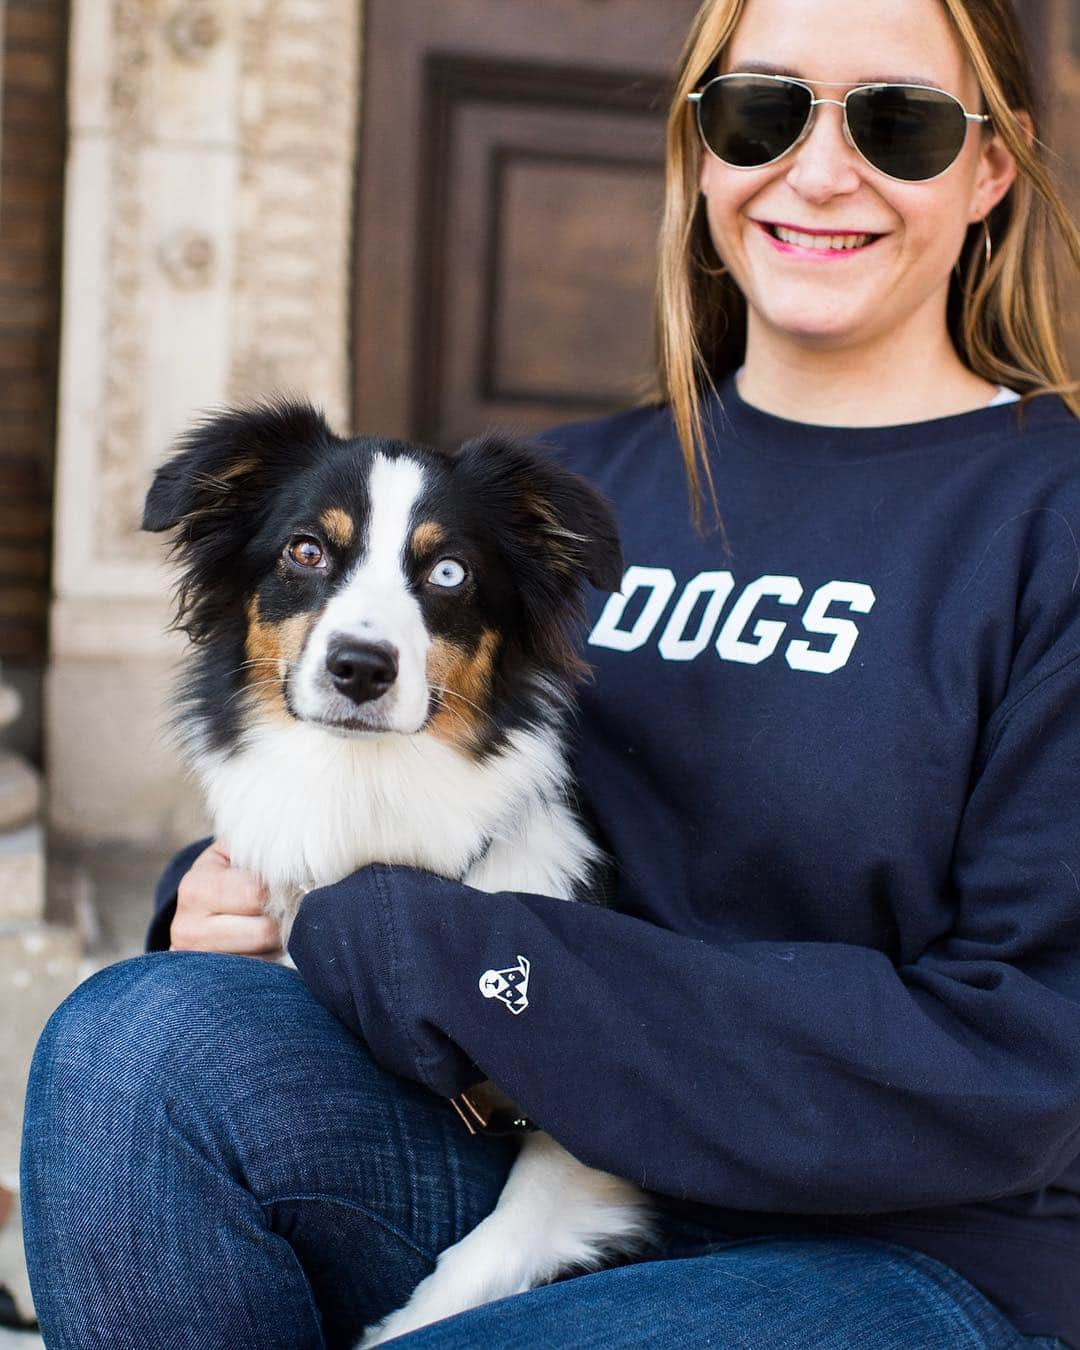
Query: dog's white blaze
[{"x": 374, "y": 604}]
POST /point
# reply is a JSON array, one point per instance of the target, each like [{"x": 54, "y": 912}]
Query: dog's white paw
[
  {"x": 411, "y": 1318},
  {"x": 376, "y": 1335},
  {"x": 465, "y": 1276},
  {"x": 397, "y": 1324},
  {"x": 554, "y": 1214}
]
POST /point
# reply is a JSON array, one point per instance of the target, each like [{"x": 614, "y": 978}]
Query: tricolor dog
[{"x": 382, "y": 670}]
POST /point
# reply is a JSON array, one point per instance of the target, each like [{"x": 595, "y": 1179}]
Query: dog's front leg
[{"x": 554, "y": 1214}]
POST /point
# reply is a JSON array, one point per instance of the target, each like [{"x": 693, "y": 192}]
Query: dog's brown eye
[{"x": 306, "y": 552}]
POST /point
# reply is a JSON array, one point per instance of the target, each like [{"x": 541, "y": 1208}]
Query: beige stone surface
[
  {"x": 14, "y": 1278},
  {"x": 20, "y": 791},
  {"x": 9, "y": 704},
  {"x": 113, "y": 771},
  {"x": 207, "y": 247},
  {"x": 39, "y": 966},
  {"x": 22, "y": 876}
]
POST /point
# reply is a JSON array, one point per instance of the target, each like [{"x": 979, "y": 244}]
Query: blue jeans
[{"x": 211, "y": 1160}]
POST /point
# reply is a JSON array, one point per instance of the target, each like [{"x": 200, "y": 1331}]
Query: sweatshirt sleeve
[{"x": 799, "y": 1077}]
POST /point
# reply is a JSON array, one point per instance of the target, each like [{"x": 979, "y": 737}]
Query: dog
[{"x": 382, "y": 669}]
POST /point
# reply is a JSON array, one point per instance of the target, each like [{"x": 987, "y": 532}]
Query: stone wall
[{"x": 207, "y": 250}]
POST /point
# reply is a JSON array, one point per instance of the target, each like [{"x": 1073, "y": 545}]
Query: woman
[{"x": 835, "y": 1024}]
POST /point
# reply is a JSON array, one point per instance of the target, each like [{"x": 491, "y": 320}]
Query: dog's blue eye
[{"x": 448, "y": 572}]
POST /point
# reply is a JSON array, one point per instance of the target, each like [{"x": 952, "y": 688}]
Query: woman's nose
[{"x": 825, "y": 165}]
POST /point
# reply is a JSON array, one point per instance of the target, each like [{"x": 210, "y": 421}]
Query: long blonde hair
[{"x": 1003, "y": 318}]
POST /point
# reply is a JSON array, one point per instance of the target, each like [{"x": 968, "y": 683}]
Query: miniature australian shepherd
[{"x": 382, "y": 670}]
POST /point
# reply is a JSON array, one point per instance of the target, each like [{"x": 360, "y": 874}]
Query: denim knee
[
  {"x": 167, "y": 1026},
  {"x": 149, "y": 1013},
  {"x": 150, "y": 1098}
]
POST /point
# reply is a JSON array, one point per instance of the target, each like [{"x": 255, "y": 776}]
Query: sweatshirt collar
[{"x": 733, "y": 419}]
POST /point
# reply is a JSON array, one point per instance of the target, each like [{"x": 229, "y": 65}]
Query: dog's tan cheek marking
[
  {"x": 272, "y": 648},
  {"x": 339, "y": 526},
  {"x": 463, "y": 681},
  {"x": 427, "y": 536},
  {"x": 294, "y": 635}
]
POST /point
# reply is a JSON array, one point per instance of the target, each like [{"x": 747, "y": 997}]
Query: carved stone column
[{"x": 206, "y": 259}]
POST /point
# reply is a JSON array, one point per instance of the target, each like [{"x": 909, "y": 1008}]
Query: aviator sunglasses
[{"x": 910, "y": 132}]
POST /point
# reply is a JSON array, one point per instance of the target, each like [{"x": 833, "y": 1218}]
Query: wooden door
[{"x": 511, "y": 173}]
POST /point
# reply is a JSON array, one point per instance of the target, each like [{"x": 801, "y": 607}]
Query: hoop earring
[{"x": 989, "y": 242}]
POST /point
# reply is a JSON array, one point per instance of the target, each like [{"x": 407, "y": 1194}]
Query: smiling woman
[
  {"x": 888, "y": 300},
  {"x": 940, "y": 265},
  {"x": 831, "y": 1022}
]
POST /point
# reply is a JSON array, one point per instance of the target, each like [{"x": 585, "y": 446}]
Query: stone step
[
  {"x": 20, "y": 1340},
  {"x": 39, "y": 966},
  {"x": 10, "y": 704},
  {"x": 22, "y": 876},
  {"x": 14, "y": 1279},
  {"x": 20, "y": 791}
]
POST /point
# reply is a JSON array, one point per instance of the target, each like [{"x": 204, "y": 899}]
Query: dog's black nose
[{"x": 361, "y": 671}]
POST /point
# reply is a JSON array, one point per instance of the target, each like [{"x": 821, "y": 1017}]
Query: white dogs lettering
[{"x": 741, "y": 637}]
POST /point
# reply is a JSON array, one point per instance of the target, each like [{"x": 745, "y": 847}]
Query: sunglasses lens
[
  {"x": 747, "y": 120},
  {"x": 911, "y": 134}
]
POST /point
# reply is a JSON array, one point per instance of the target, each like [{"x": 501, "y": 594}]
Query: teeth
[{"x": 822, "y": 241}]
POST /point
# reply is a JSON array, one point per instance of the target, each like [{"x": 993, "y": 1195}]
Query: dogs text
[{"x": 741, "y": 637}]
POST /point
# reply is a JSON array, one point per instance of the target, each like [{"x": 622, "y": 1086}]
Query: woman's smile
[{"x": 817, "y": 245}]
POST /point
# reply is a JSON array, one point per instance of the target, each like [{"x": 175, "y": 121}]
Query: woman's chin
[{"x": 818, "y": 332}]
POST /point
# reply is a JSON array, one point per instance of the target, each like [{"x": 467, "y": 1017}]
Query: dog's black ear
[
  {"x": 215, "y": 492},
  {"x": 553, "y": 514},
  {"x": 226, "y": 459},
  {"x": 555, "y": 532}
]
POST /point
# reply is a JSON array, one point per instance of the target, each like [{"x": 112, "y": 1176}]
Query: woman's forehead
[{"x": 848, "y": 42}]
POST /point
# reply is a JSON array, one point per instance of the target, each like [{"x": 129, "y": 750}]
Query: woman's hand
[{"x": 219, "y": 908}]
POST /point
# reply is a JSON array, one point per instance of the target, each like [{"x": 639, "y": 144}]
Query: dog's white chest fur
[{"x": 301, "y": 808}]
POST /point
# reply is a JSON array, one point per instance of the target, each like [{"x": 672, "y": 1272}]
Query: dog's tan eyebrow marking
[
  {"x": 427, "y": 535},
  {"x": 339, "y": 526}
]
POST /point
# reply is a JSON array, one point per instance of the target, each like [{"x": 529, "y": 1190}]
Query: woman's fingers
[
  {"x": 239, "y": 935},
  {"x": 214, "y": 886},
  {"x": 220, "y": 908}
]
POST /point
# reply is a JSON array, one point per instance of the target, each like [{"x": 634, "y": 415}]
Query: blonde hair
[{"x": 1003, "y": 318}]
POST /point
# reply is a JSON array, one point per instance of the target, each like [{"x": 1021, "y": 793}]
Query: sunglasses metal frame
[{"x": 696, "y": 96}]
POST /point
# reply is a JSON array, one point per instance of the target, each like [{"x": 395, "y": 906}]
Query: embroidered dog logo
[{"x": 509, "y": 986}]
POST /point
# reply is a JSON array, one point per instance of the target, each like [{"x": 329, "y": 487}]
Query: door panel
[
  {"x": 547, "y": 228},
  {"x": 508, "y": 203}
]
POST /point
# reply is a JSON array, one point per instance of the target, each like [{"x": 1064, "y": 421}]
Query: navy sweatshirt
[{"x": 836, "y": 755}]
